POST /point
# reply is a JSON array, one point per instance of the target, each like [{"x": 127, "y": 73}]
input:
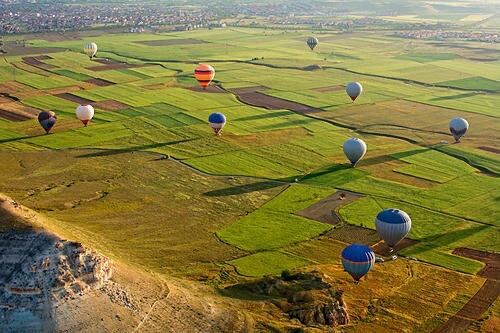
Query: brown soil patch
[
  {"x": 254, "y": 96},
  {"x": 111, "y": 105},
  {"x": 475, "y": 308},
  {"x": 246, "y": 90},
  {"x": 74, "y": 98},
  {"x": 100, "y": 82},
  {"x": 491, "y": 269},
  {"x": 15, "y": 111},
  {"x": 12, "y": 87},
  {"x": 166, "y": 42},
  {"x": 107, "y": 61},
  {"x": 210, "y": 89},
  {"x": 35, "y": 62},
  {"x": 43, "y": 57},
  {"x": 326, "y": 210},
  {"x": 12, "y": 116},
  {"x": 108, "y": 64},
  {"x": 329, "y": 89},
  {"x": 382, "y": 249},
  {"x": 490, "y": 149},
  {"x": 5, "y": 99},
  {"x": 13, "y": 49}
]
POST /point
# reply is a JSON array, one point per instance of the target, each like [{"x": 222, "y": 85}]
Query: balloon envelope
[
  {"x": 217, "y": 121},
  {"x": 354, "y": 89},
  {"x": 90, "y": 49},
  {"x": 354, "y": 149},
  {"x": 458, "y": 127},
  {"x": 357, "y": 260},
  {"x": 85, "y": 113},
  {"x": 312, "y": 42},
  {"x": 47, "y": 120},
  {"x": 204, "y": 74},
  {"x": 392, "y": 225}
]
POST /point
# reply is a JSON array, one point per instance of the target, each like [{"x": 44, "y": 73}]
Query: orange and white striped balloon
[{"x": 204, "y": 74}]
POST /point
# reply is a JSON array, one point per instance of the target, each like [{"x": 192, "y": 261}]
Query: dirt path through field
[
  {"x": 479, "y": 304},
  {"x": 326, "y": 210}
]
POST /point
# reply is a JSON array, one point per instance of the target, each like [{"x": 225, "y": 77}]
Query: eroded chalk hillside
[{"x": 48, "y": 284}]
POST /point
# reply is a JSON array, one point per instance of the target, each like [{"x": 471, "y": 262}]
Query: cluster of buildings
[
  {"x": 443, "y": 35},
  {"x": 23, "y": 16}
]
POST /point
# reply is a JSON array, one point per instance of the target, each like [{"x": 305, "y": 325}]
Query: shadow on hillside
[
  {"x": 243, "y": 189},
  {"x": 110, "y": 152},
  {"x": 266, "y": 115},
  {"x": 444, "y": 239},
  {"x": 20, "y": 138}
]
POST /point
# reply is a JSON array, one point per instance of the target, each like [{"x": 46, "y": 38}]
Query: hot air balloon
[
  {"x": 312, "y": 42},
  {"x": 458, "y": 127},
  {"x": 217, "y": 121},
  {"x": 354, "y": 89},
  {"x": 204, "y": 74},
  {"x": 392, "y": 226},
  {"x": 90, "y": 49},
  {"x": 47, "y": 120},
  {"x": 357, "y": 260},
  {"x": 85, "y": 113},
  {"x": 354, "y": 150}
]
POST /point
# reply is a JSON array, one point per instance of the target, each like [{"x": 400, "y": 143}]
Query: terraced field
[{"x": 148, "y": 183}]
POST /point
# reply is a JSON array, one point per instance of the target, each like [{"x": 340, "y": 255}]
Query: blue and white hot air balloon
[
  {"x": 358, "y": 260},
  {"x": 392, "y": 226},
  {"x": 217, "y": 121}
]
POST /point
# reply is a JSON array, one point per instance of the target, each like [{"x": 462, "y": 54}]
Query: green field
[{"x": 230, "y": 202}]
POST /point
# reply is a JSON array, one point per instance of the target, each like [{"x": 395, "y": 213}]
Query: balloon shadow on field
[
  {"x": 243, "y": 189},
  {"x": 110, "y": 152},
  {"x": 20, "y": 138},
  {"x": 444, "y": 239}
]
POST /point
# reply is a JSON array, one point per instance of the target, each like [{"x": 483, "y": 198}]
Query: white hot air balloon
[
  {"x": 458, "y": 127},
  {"x": 392, "y": 226},
  {"x": 354, "y": 150},
  {"x": 90, "y": 49},
  {"x": 85, "y": 113},
  {"x": 354, "y": 90}
]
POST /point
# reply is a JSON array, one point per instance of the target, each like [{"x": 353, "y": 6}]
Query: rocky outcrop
[{"x": 307, "y": 297}]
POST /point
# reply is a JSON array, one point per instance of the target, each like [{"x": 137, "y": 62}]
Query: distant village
[
  {"x": 18, "y": 16},
  {"x": 456, "y": 35}
]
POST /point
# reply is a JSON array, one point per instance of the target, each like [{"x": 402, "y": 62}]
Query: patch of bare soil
[
  {"x": 326, "y": 210},
  {"x": 490, "y": 149},
  {"x": 166, "y": 42},
  {"x": 108, "y": 64},
  {"x": 35, "y": 62},
  {"x": 110, "y": 105},
  {"x": 491, "y": 269},
  {"x": 100, "y": 82},
  {"x": 12, "y": 87},
  {"x": 259, "y": 99},
  {"x": 16, "y": 111},
  {"x": 475, "y": 308},
  {"x": 382, "y": 249},
  {"x": 74, "y": 98},
  {"x": 246, "y": 90},
  {"x": 17, "y": 49},
  {"x": 11, "y": 116},
  {"x": 329, "y": 89}
]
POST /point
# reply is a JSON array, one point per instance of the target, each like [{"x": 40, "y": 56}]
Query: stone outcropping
[{"x": 307, "y": 297}]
